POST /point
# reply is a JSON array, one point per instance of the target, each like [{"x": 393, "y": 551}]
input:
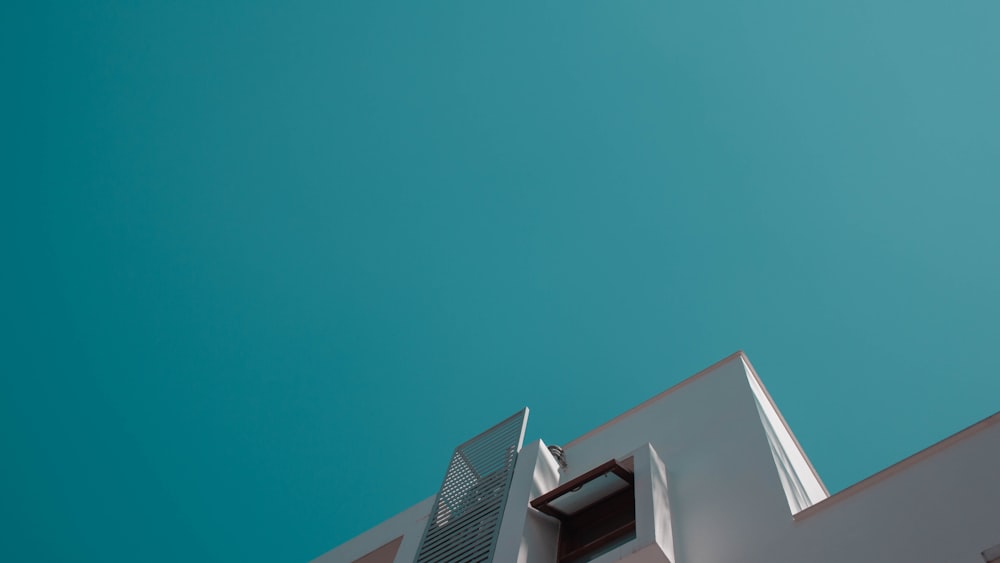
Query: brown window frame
[{"x": 599, "y": 513}]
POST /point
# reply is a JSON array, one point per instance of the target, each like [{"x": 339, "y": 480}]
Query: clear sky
[{"x": 266, "y": 264}]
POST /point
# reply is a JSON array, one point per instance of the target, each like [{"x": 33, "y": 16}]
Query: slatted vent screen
[{"x": 466, "y": 518}]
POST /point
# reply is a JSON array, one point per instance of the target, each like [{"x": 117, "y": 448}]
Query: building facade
[{"x": 705, "y": 472}]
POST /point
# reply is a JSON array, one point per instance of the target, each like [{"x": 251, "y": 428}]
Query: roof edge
[
  {"x": 656, "y": 398},
  {"x": 901, "y": 465},
  {"x": 781, "y": 417}
]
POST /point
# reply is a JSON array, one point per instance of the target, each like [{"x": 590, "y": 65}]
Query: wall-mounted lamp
[{"x": 557, "y": 452}]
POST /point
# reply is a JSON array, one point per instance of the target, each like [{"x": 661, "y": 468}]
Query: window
[{"x": 596, "y": 511}]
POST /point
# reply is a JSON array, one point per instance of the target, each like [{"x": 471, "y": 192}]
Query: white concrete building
[{"x": 705, "y": 472}]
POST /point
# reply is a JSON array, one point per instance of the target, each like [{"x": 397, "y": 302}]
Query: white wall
[
  {"x": 528, "y": 536},
  {"x": 725, "y": 492},
  {"x": 410, "y": 524},
  {"x": 735, "y": 475},
  {"x": 941, "y": 505}
]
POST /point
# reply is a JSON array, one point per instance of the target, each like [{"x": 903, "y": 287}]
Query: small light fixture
[{"x": 557, "y": 452}]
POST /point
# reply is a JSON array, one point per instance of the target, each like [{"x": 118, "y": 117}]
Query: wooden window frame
[{"x": 595, "y": 514}]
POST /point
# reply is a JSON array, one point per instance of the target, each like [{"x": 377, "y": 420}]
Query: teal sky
[{"x": 267, "y": 264}]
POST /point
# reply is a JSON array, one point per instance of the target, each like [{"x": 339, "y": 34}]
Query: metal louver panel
[{"x": 465, "y": 521}]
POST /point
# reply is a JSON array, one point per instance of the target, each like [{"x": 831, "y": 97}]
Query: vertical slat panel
[{"x": 465, "y": 521}]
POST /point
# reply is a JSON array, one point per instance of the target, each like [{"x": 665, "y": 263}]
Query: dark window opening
[{"x": 596, "y": 511}]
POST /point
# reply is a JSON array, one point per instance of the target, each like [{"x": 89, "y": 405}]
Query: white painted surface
[
  {"x": 410, "y": 524},
  {"x": 723, "y": 466},
  {"x": 528, "y": 536},
  {"x": 659, "y": 497},
  {"x": 799, "y": 480}
]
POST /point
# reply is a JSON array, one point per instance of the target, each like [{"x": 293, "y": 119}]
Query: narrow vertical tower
[{"x": 465, "y": 519}]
